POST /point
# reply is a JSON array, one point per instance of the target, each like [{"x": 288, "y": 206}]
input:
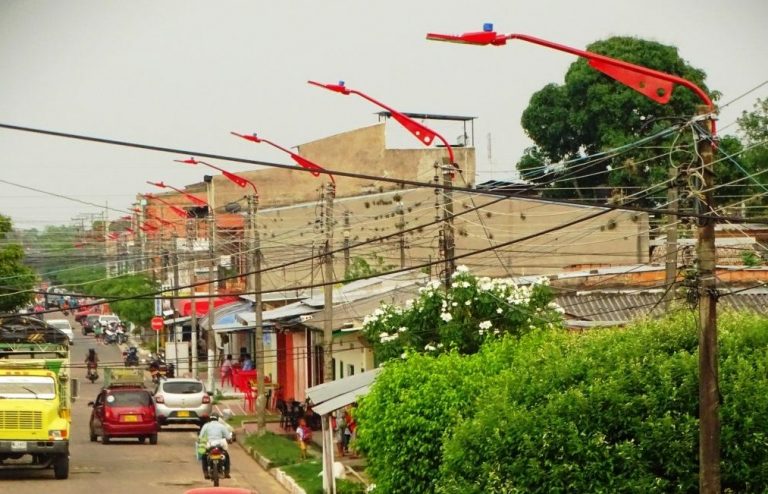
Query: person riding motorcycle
[
  {"x": 91, "y": 361},
  {"x": 215, "y": 432}
]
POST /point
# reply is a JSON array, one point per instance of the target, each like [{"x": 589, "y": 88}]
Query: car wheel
[
  {"x": 104, "y": 439},
  {"x": 142, "y": 439},
  {"x": 153, "y": 439},
  {"x": 92, "y": 436}
]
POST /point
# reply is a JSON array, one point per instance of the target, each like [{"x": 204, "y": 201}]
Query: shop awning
[
  {"x": 333, "y": 395},
  {"x": 201, "y": 305}
]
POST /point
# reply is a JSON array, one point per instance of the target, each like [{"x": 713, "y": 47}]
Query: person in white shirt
[{"x": 215, "y": 433}]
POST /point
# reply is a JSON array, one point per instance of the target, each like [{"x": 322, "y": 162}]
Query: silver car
[
  {"x": 182, "y": 401},
  {"x": 63, "y": 326}
]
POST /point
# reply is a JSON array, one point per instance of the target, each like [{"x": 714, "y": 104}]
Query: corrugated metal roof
[{"x": 623, "y": 307}]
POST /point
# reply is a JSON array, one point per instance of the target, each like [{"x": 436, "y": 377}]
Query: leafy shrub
[{"x": 614, "y": 411}]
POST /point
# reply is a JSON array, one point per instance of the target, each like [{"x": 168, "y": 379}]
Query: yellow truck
[{"x": 36, "y": 395}]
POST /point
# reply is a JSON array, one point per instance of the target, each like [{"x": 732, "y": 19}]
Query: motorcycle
[
  {"x": 216, "y": 459},
  {"x": 158, "y": 369},
  {"x": 110, "y": 334},
  {"x": 121, "y": 335},
  {"x": 92, "y": 374},
  {"x": 131, "y": 357}
]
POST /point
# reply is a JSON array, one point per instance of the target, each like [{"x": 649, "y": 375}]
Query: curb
[{"x": 282, "y": 478}]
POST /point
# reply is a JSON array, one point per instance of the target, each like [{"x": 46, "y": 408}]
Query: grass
[
  {"x": 307, "y": 475},
  {"x": 278, "y": 449}
]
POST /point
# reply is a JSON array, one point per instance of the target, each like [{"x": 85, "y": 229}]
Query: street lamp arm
[
  {"x": 420, "y": 131},
  {"x": 651, "y": 83},
  {"x": 236, "y": 179},
  {"x": 300, "y": 160}
]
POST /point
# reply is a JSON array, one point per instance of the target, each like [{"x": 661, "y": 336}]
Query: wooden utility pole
[
  {"x": 254, "y": 282},
  {"x": 330, "y": 192},
  {"x": 709, "y": 392},
  {"x": 673, "y": 203}
]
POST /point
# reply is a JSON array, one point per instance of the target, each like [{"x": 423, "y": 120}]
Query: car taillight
[
  {"x": 159, "y": 399},
  {"x": 206, "y": 399}
]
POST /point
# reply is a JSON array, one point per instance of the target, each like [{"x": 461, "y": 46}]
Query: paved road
[{"x": 125, "y": 466}]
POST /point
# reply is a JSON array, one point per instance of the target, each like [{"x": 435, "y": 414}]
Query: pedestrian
[
  {"x": 303, "y": 436},
  {"x": 247, "y": 362},
  {"x": 226, "y": 371},
  {"x": 97, "y": 331},
  {"x": 339, "y": 426}
]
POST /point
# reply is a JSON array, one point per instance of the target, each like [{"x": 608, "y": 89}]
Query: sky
[{"x": 183, "y": 74}]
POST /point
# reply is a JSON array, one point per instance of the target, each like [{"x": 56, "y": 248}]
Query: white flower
[
  {"x": 404, "y": 355},
  {"x": 446, "y": 316},
  {"x": 462, "y": 269},
  {"x": 439, "y": 345},
  {"x": 486, "y": 325},
  {"x": 430, "y": 348},
  {"x": 481, "y": 332},
  {"x": 465, "y": 284},
  {"x": 496, "y": 331},
  {"x": 402, "y": 329},
  {"x": 454, "y": 304},
  {"x": 468, "y": 302},
  {"x": 409, "y": 304},
  {"x": 370, "y": 488},
  {"x": 499, "y": 310}
]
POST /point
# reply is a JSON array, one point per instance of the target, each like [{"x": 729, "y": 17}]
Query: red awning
[{"x": 201, "y": 305}]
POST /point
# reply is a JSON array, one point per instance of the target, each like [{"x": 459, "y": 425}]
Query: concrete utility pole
[
  {"x": 346, "y": 244},
  {"x": 448, "y": 238},
  {"x": 330, "y": 193},
  {"x": 254, "y": 284},
  {"x": 401, "y": 226},
  {"x": 673, "y": 203},
  {"x": 709, "y": 392},
  {"x": 175, "y": 262},
  {"x": 192, "y": 270},
  {"x": 210, "y": 340}
]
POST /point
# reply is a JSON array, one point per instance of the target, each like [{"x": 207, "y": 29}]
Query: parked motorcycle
[
  {"x": 121, "y": 334},
  {"x": 110, "y": 334},
  {"x": 216, "y": 459},
  {"x": 131, "y": 357}
]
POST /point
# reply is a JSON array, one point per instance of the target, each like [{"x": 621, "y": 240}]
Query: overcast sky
[{"x": 184, "y": 74}]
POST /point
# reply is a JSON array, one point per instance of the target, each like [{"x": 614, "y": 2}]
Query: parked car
[
  {"x": 123, "y": 412},
  {"x": 63, "y": 326},
  {"x": 88, "y": 323},
  {"x": 182, "y": 401}
]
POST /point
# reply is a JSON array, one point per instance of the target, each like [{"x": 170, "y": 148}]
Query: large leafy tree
[
  {"x": 592, "y": 113},
  {"x": 16, "y": 279},
  {"x": 753, "y": 127}
]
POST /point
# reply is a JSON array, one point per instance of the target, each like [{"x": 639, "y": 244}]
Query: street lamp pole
[
  {"x": 426, "y": 136},
  {"x": 658, "y": 87}
]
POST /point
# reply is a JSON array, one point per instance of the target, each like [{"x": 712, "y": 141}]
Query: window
[
  {"x": 341, "y": 369},
  {"x": 183, "y": 387},
  {"x": 129, "y": 399},
  {"x": 27, "y": 387},
  {"x": 350, "y": 370}
]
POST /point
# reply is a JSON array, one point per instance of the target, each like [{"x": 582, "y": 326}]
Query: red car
[{"x": 124, "y": 412}]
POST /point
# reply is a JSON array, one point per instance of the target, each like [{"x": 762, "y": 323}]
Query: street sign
[{"x": 157, "y": 323}]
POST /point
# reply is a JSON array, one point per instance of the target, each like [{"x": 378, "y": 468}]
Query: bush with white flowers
[{"x": 472, "y": 311}]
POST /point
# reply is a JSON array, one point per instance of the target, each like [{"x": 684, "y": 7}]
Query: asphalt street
[{"x": 126, "y": 466}]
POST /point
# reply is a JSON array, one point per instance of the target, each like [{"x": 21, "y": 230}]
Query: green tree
[
  {"x": 591, "y": 113},
  {"x": 16, "y": 279},
  {"x": 753, "y": 126}
]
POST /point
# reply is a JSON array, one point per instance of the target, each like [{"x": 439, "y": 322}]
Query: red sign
[{"x": 157, "y": 323}]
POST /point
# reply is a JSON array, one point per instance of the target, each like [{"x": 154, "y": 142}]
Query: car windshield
[
  {"x": 27, "y": 387},
  {"x": 92, "y": 317},
  {"x": 109, "y": 319},
  {"x": 129, "y": 399},
  {"x": 60, "y": 324},
  {"x": 183, "y": 387}
]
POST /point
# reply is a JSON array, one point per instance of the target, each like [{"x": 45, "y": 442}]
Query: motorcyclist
[
  {"x": 91, "y": 361},
  {"x": 215, "y": 433}
]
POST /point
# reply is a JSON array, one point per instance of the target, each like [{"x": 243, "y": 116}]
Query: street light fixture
[
  {"x": 648, "y": 82},
  {"x": 658, "y": 87},
  {"x": 236, "y": 179},
  {"x": 300, "y": 160},
  {"x": 420, "y": 131},
  {"x": 189, "y": 196}
]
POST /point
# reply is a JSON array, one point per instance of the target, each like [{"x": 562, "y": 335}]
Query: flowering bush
[{"x": 470, "y": 312}]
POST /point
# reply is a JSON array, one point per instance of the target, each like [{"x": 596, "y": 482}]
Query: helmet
[{"x": 215, "y": 416}]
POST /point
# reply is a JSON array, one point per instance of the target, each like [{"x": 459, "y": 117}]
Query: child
[{"x": 304, "y": 436}]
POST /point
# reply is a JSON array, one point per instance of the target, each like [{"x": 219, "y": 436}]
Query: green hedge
[{"x": 606, "y": 411}]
